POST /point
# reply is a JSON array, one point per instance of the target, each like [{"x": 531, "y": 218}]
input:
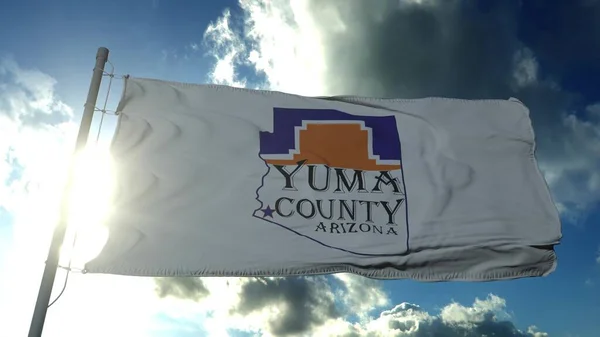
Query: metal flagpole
[{"x": 43, "y": 299}]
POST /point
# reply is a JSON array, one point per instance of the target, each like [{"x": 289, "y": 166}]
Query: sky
[{"x": 545, "y": 53}]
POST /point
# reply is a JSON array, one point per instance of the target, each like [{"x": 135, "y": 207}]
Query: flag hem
[
  {"x": 545, "y": 265},
  {"x": 345, "y": 97}
]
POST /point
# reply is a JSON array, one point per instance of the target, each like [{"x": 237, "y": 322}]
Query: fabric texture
[{"x": 220, "y": 181}]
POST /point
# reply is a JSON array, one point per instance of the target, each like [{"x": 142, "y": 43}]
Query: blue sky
[{"x": 552, "y": 62}]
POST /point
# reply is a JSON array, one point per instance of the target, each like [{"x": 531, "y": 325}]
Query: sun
[{"x": 89, "y": 205}]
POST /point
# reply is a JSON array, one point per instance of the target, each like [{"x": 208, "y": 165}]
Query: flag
[{"x": 220, "y": 181}]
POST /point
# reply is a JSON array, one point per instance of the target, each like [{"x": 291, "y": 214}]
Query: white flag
[{"x": 219, "y": 181}]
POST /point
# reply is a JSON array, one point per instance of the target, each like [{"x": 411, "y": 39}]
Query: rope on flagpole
[
  {"x": 62, "y": 290},
  {"x": 69, "y": 269},
  {"x": 111, "y": 75}
]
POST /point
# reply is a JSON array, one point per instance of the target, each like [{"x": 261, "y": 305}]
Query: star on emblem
[{"x": 267, "y": 211}]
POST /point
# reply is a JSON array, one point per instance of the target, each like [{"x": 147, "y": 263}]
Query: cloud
[
  {"x": 181, "y": 287},
  {"x": 361, "y": 295},
  {"x": 227, "y": 48},
  {"x": 36, "y": 133},
  {"x": 301, "y": 303},
  {"x": 525, "y": 69},
  {"x": 328, "y": 306},
  {"x": 34, "y": 124},
  {"x": 36, "y": 128},
  {"x": 486, "y": 317},
  {"x": 28, "y": 97},
  {"x": 415, "y": 49},
  {"x": 570, "y": 44}
]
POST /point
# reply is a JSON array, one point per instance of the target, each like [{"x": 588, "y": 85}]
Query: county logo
[{"x": 335, "y": 178}]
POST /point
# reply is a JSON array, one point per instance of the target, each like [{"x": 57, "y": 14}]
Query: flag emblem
[{"x": 334, "y": 178}]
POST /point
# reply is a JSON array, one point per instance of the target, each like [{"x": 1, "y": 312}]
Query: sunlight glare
[{"x": 89, "y": 204}]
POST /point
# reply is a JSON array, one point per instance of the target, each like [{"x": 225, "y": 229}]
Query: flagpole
[{"x": 43, "y": 299}]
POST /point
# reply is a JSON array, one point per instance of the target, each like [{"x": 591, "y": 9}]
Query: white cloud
[
  {"x": 532, "y": 330},
  {"x": 280, "y": 40},
  {"x": 457, "y": 314},
  {"x": 227, "y": 48},
  {"x": 573, "y": 175},
  {"x": 34, "y": 125},
  {"x": 361, "y": 295},
  {"x": 594, "y": 111},
  {"x": 104, "y": 305},
  {"x": 37, "y": 135},
  {"x": 484, "y": 318},
  {"x": 34, "y": 128},
  {"x": 525, "y": 66}
]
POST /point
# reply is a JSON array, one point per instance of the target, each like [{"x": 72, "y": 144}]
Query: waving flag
[{"x": 219, "y": 181}]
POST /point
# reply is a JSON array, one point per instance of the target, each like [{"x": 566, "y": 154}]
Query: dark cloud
[
  {"x": 307, "y": 307},
  {"x": 466, "y": 50},
  {"x": 451, "y": 48},
  {"x": 313, "y": 306},
  {"x": 447, "y": 49},
  {"x": 304, "y": 303},
  {"x": 191, "y": 288}
]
